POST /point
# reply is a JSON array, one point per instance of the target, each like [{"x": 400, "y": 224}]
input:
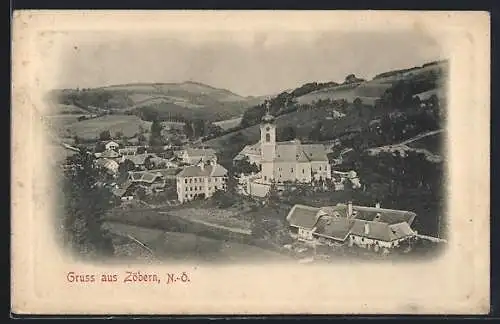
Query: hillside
[
  {"x": 89, "y": 129},
  {"x": 370, "y": 91},
  {"x": 168, "y": 101}
]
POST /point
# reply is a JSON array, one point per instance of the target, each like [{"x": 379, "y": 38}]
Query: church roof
[{"x": 295, "y": 151}]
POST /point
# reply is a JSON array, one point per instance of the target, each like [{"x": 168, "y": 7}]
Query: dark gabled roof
[
  {"x": 381, "y": 231},
  {"x": 110, "y": 154},
  {"x": 120, "y": 192},
  {"x": 302, "y": 216},
  {"x": 389, "y": 216},
  {"x": 336, "y": 228}
]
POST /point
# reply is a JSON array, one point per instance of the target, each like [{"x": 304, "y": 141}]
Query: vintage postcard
[{"x": 250, "y": 162}]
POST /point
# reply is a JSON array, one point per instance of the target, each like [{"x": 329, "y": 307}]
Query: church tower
[{"x": 268, "y": 137}]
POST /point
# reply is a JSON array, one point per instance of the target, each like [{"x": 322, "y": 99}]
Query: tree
[
  {"x": 140, "y": 193},
  {"x": 119, "y": 134},
  {"x": 288, "y": 133},
  {"x": 148, "y": 164},
  {"x": 244, "y": 166},
  {"x": 125, "y": 167},
  {"x": 141, "y": 138},
  {"x": 85, "y": 204},
  {"x": 100, "y": 147},
  {"x": 155, "y": 138},
  {"x": 105, "y": 135}
]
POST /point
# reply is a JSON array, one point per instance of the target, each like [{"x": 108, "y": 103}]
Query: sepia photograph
[{"x": 249, "y": 146}]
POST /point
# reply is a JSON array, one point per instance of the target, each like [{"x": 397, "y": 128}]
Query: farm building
[{"x": 362, "y": 226}]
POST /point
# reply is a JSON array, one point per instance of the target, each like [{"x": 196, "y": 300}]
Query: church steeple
[
  {"x": 268, "y": 136},
  {"x": 268, "y": 118}
]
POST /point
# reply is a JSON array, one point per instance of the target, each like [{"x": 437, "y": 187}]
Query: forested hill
[{"x": 166, "y": 101}]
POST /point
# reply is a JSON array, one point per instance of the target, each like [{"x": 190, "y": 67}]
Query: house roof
[
  {"x": 389, "y": 216},
  {"x": 139, "y": 159},
  {"x": 380, "y": 231},
  {"x": 332, "y": 221},
  {"x": 216, "y": 170},
  {"x": 337, "y": 228},
  {"x": 110, "y": 154},
  {"x": 194, "y": 152},
  {"x": 168, "y": 173},
  {"x": 123, "y": 189},
  {"x": 108, "y": 164},
  {"x": 303, "y": 216}
]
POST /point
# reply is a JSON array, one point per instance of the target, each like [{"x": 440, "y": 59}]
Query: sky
[{"x": 247, "y": 63}]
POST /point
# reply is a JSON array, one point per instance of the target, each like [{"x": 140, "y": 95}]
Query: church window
[
  {"x": 185, "y": 180},
  {"x": 265, "y": 178},
  {"x": 319, "y": 168},
  {"x": 291, "y": 170},
  {"x": 268, "y": 128},
  {"x": 303, "y": 171},
  {"x": 268, "y": 137}
]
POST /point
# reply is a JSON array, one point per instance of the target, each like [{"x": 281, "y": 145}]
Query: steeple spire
[{"x": 268, "y": 118}]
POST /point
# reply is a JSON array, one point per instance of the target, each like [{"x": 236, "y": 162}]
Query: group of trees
[
  {"x": 85, "y": 203},
  {"x": 409, "y": 181}
]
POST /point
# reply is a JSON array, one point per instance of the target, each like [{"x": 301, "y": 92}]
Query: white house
[
  {"x": 111, "y": 145},
  {"x": 200, "y": 180},
  {"x": 286, "y": 161}
]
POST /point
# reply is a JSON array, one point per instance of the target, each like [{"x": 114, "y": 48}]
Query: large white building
[
  {"x": 286, "y": 161},
  {"x": 200, "y": 180}
]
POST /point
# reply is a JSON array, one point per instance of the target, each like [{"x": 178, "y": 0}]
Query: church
[{"x": 286, "y": 161}]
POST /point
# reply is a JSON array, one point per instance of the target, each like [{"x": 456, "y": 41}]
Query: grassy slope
[{"x": 128, "y": 125}]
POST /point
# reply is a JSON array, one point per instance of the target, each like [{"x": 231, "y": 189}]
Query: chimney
[
  {"x": 349, "y": 208},
  {"x": 377, "y": 205},
  {"x": 367, "y": 229}
]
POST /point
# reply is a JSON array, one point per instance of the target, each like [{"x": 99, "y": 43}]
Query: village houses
[
  {"x": 194, "y": 155},
  {"x": 201, "y": 180},
  {"x": 286, "y": 161},
  {"x": 374, "y": 228}
]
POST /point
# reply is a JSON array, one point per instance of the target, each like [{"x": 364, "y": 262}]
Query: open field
[
  {"x": 188, "y": 247},
  {"x": 61, "y": 124},
  {"x": 216, "y": 216},
  {"x": 228, "y": 123},
  {"x": 127, "y": 124}
]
